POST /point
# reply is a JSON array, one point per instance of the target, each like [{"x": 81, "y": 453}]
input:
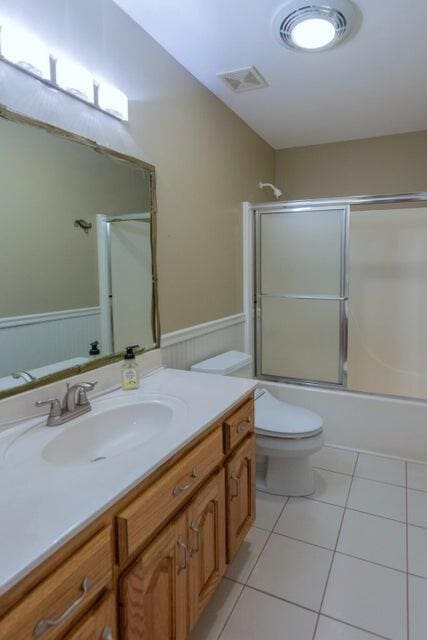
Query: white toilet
[{"x": 286, "y": 435}]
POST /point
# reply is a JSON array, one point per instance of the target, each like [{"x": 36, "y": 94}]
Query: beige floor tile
[
  {"x": 380, "y": 469},
  {"x": 417, "y": 476},
  {"x": 331, "y": 487},
  {"x": 332, "y": 630},
  {"x": 216, "y": 613},
  {"x": 378, "y": 498},
  {"x": 268, "y": 509},
  {"x": 417, "y": 551},
  {"x": 333, "y": 459},
  {"x": 417, "y": 608},
  {"x": 310, "y": 521},
  {"x": 374, "y": 538},
  {"x": 417, "y": 508},
  {"x": 247, "y": 555},
  {"x": 368, "y": 596},
  {"x": 292, "y": 570},
  {"x": 260, "y": 617}
]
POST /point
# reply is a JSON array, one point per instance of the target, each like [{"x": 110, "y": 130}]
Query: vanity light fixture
[
  {"x": 23, "y": 50},
  {"x": 74, "y": 79},
  {"x": 113, "y": 101},
  {"x": 314, "y": 26}
]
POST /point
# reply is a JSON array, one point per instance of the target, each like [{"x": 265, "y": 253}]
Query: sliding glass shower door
[{"x": 301, "y": 294}]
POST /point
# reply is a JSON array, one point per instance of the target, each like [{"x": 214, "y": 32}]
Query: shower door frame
[
  {"x": 342, "y": 298},
  {"x": 250, "y": 271}
]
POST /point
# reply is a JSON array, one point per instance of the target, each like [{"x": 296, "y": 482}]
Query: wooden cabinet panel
[
  {"x": 100, "y": 623},
  {"x": 206, "y": 521},
  {"x": 147, "y": 513},
  {"x": 47, "y": 611},
  {"x": 240, "y": 472},
  {"x": 154, "y": 593},
  {"x": 239, "y": 425}
]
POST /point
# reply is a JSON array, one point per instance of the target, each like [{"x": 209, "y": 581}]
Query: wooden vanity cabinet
[
  {"x": 240, "y": 470},
  {"x": 207, "y": 541},
  {"x": 146, "y": 569},
  {"x": 154, "y": 592}
]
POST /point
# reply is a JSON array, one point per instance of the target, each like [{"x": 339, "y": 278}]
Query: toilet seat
[{"x": 274, "y": 418}]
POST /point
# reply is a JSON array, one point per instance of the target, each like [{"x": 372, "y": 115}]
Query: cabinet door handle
[
  {"x": 107, "y": 633},
  {"x": 235, "y": 477},
  {"x": 179, "y": 489},
  {"x": 181, "y": 543},
  {"x": 242, "y": 425},
  {"x": 45, "y": 625},
  {"x": 196, "y": 530}
]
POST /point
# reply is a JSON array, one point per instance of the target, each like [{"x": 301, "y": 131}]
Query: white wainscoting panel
[
  {"x": 32, "y": 341},
  {"x": 181, "y": 349}
]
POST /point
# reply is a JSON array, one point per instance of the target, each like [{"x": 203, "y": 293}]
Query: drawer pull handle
[
  {"x": 108, "y": 633},
  {"x": 184, "y": 487},
  {"x": 181, "y": 543},
  {"x": 242, "y": 425},
  {"x": 235, "y": 477},
  {"x": 196, "y": 530},
  {"x": 45, "y": 625}
]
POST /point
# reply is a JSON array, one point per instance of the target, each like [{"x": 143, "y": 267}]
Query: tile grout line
[
  {"x": 244, "y": 584},
  {"x": 343, "y": 553},
  {"x": 334, "y": 550},
  {"x": 407, "y": 553},
  {"x": 305, "y": 608}
]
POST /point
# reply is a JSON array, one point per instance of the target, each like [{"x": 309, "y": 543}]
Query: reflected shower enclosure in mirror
[{"x": 77, "y": 254}]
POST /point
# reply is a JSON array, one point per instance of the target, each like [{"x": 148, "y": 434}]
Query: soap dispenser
[
  {"x": 94, "y": 350},
  {"x": 130, "y": 370}
]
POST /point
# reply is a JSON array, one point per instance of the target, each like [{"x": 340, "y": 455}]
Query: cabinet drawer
[
  {"x": 239, "y": 425},
  {"x": 48, "y": 610},
  {"x": 147, "y": 513},
  {"x": 100, "y": 623}
]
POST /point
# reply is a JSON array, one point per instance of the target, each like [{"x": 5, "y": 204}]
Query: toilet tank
[{"x": 230, "y": 363}]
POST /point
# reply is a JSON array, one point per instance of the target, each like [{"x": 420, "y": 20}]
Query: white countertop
[{"x": 43, "y": 505}]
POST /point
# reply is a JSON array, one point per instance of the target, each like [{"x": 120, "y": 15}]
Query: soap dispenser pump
[{"x": 130, "y": 370}]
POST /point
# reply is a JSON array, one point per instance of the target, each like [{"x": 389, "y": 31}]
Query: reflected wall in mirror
[{"x": 77, "y": 248}]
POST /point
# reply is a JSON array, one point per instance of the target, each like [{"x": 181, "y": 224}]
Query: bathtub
[{"x": 378, "y": 424}]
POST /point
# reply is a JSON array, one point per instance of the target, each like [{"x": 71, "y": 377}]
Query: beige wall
[
  {"x": 208, "y": 161},
  {"x": 47, "y": 182},
  {"x": 389, "y": 164}
]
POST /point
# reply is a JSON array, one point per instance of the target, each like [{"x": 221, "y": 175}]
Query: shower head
[{"x": 277, "y": 192}]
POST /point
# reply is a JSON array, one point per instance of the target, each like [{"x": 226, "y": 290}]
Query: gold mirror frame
[{"x": 17, "y": 118}]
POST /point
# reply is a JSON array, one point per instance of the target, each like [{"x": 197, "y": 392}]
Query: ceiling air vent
[{"x": 243, "y": 79}]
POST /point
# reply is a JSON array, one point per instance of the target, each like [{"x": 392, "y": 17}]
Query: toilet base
[{"x": 290, "y": 476}]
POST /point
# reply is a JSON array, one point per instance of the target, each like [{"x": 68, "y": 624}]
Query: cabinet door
[
  {"x": 100, "y": 622},
  {"x": 207, "y": 541},
  {"x": 240, "y": 472},
  {"x": 154, "y": 593}
]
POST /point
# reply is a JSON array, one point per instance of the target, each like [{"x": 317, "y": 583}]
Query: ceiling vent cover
[{"x": 245, "y": 79}]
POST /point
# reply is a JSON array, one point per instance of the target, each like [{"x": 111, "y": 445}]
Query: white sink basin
[{"x": 114, "y": 426}]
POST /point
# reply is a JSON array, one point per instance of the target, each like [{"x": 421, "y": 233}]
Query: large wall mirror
[{"x": 77, "y": 254}]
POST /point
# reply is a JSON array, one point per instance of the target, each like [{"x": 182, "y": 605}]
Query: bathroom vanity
[{"x": 133, "y": 546}]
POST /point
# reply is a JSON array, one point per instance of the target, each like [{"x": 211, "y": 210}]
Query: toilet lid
[{"x": 282, "y": 420}]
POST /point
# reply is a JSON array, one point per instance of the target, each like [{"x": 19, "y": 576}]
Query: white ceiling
[{"x": 373, "y": 84}]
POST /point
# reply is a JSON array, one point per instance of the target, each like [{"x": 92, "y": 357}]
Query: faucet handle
[
  {"x": 83, "y": 387},
  {"x": 55, "y": 407}
]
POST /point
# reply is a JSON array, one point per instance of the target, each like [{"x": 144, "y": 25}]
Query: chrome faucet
[
  {"x": 25, "y": 375},
  {"x": 74, "y": 404}
]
